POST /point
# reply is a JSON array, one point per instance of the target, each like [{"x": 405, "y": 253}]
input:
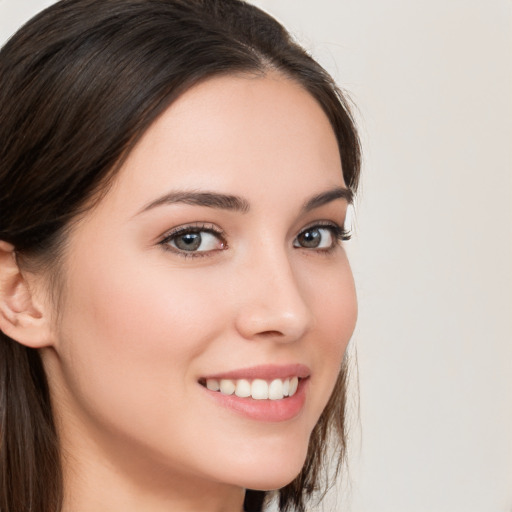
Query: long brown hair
[{"x": 79, "y": 85}]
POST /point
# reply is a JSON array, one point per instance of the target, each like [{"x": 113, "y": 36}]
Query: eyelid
[
  {"x": 195, "y": 227},
  {"x": 341, "y": 233}
]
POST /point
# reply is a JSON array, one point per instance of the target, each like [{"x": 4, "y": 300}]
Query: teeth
[
  {"x": 286, "y": 387},
  {"x": 293, "y": 385},
  {"x": 212, "y": 385},
  {"x": 258, "y": 389},
  {"x": 227, "y": 387},
  {"x": 243, "y": 388},
  {"x": 275, "y": 390}
]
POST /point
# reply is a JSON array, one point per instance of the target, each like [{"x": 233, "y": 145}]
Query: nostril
[{"x": 270, "y": 334}]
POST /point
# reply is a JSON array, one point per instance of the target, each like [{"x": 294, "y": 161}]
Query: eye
[
  {"x": 192, "y": 239},
  {"x": 320, "y": 237}
]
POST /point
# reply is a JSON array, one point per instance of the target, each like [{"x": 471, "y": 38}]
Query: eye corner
[{"x": 345, "y": 235}]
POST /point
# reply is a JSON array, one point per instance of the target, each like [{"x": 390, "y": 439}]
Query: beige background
[{"x": 432, "y": 255}]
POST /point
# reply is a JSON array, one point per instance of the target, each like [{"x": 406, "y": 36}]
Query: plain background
[{"x": 432, "y": 255}]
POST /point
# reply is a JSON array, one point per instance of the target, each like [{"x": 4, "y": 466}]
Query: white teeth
[
  {"x": 213, "y": 385},
  {"x": 258, "y": 389},
  {"x": 243, "y": 388},
  {"x": 275, "y": 390},
  {"x": 294, "y": 382},
  {"x": 227, "y": 387},
  {"x": 286, "y": 387}
]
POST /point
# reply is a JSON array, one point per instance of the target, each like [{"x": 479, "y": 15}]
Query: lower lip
[{"x": 264, "y": 410}]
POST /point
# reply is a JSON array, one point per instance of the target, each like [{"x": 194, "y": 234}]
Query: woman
[{"x": 174, "y": 300}]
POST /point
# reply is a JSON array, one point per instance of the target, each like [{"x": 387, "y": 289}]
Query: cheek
[
  {"x": 128, "y": 307},
  {"x": 334, "y": 302},
  {"x": 335, "y": 310},
  {"x": 128, "y": 338}
]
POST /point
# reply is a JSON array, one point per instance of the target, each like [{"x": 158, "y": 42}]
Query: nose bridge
[{"x": 274, "y": 303}]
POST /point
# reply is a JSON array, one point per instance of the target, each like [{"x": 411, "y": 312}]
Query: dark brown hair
[{"x": 79, "y": 85}]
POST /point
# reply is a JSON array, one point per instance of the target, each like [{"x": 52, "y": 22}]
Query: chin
[
  {"x": 272, "y": 482},
  {"x": 265, "y": 473}
]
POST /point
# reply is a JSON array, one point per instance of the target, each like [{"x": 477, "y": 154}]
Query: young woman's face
[{"x": 214, "y": 258}]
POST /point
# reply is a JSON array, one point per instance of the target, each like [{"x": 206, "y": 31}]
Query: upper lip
[{"x": 265, "y": 372}]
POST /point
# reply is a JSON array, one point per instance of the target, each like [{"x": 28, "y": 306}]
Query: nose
[{"x": 271, "y": 303}]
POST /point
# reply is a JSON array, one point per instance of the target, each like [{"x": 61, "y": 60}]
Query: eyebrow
[
  {"x": 327, "y": 197},
  {"x": 209, "y": 199},
  {"x": 239, "y": 204}
]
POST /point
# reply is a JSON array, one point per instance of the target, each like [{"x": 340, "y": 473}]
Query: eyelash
[
  {"x": 192, "y": 228},
  {"x": 339, "y": 233}
]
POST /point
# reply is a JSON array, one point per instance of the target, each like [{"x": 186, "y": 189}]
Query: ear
[{"x": 22, "y": 312}]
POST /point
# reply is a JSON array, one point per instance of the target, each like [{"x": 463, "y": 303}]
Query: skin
[{"x": 139, "y": 323}]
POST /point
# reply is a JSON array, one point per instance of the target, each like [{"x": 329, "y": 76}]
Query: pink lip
[
  {"x": 265, "y": 372},
  {"x": 264, "y": 410}
]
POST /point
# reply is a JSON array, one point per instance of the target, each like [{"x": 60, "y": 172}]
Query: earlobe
[{"x": 22, "y": 317}]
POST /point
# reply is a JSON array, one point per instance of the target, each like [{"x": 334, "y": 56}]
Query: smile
[
  {"x": 257, "y": 389},
  {"x": 268, "y": 393}
]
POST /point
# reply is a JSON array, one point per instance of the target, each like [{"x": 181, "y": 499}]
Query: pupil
[
  {"x": 310, "y": 238},
  {"x": 189, "y": 242}
]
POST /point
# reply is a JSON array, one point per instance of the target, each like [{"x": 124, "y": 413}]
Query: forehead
[{"x": 248, "y": 133}]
